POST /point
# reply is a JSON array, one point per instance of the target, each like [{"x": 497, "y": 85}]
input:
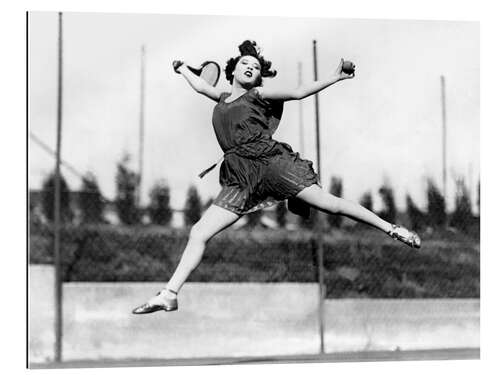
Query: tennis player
[{"x": 257, "y": 170}]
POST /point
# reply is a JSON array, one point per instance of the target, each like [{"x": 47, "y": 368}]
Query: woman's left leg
[{"x": 329, "y": 203}]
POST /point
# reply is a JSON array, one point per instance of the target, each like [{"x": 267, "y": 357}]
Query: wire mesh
[{"x": 272, "y": 246}]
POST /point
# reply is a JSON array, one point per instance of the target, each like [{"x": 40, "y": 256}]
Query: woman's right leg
[{"x": 214, "y": 220}]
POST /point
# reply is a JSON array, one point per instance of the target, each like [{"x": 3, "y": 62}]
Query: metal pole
[
  {"x": 319, "y": 227},
  {"x": 316, "y": 107},
  {"x": 57, "y": 206},
  {"x": 443, "y": 112},
  {"x": 141, "y": 125},
  {"x": 301, "y": 116}
]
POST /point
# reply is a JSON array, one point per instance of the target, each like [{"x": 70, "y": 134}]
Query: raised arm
[
  {"x": 307, "y": 89},
  {"x": 198, "y": 84}
]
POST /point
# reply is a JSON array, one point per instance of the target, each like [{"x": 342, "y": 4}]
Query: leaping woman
[{"x": 257, "y": 170}]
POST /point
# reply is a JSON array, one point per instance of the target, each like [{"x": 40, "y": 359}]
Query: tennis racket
[{"x": 208, "y": 71}]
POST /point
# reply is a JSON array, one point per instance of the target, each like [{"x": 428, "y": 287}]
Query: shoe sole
[{"x": 155, "y": 309}]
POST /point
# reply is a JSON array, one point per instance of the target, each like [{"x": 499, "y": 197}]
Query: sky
[{"x": 383, "y": 125}]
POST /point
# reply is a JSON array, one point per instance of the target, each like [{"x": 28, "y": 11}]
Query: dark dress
[{"x": 257, "y": 170}]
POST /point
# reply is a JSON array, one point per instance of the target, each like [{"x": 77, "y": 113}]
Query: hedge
[{"x": 357, "y": 264}]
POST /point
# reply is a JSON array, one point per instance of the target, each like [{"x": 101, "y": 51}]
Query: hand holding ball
[{"x": 348, "y": 67}]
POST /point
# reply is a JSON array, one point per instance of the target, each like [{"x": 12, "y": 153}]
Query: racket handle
[
  {"x": 194, "y": 70},
  {"x": 177, "y": 64}
]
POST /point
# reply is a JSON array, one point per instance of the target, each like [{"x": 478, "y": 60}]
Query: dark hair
[{"x": 249, "y": 48}]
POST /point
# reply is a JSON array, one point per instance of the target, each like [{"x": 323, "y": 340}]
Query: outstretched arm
[
  {"x": 307, "y": 89},
  {"x": 197, "y": 83}
]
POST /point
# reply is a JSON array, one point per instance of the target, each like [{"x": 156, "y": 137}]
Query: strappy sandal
[
  {"x": 148, "y": 308},
  {"x": 406, "y": 236}
]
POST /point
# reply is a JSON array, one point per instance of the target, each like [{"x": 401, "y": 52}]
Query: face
[{"x": 247, "y": 71}]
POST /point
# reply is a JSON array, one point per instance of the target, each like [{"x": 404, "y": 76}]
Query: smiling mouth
[{"x": 248, "y": 74}]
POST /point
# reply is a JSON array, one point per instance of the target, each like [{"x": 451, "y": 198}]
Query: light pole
[
  {"x": 318, "y": 226},
  {"x": 141, "y": 126},
  {"x": 443, "y": 114},
  {"x": 57, "y": 202}
]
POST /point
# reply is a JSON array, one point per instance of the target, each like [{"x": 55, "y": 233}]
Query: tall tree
[
  {"x": 416, "y": 216},
  {"x": 311, "y": 221},
  {"x": 478, "y": 198},
  {"x": 159, "y": 207},
  {"x": 253, "y": 219},
  {"x": 462, "y": 217},
  {"x": 127, "y": 183},
  {"x": 367, "y": 201},
  {"x": 436, "y": 214},
  {"x": 388, "y": 212},
  {"x": 281, "y": 212},
  {"x": 91, "y": 201},
  {"x": 48, "y": 196},
  {"x": 192, "y": 208},
  {"x": 336, "y": 188}
]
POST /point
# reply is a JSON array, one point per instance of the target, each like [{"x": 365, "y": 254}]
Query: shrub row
[{"x": 360, "y": 264}]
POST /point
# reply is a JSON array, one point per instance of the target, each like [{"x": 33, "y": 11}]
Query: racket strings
[{"x": 210, "y": 73}]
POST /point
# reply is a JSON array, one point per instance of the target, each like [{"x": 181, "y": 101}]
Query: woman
[{"x": 257, "y": 171}]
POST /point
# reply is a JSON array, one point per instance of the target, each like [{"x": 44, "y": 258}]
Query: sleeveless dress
[{"x": 257, "y": 170}]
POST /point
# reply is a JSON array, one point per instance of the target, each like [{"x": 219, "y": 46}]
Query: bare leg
[
  {"x": 214, "y": 220},
  {"x": 329, "y": 203}
]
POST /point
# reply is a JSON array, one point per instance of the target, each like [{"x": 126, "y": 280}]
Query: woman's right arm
[
  {"x": 307, "y": 89},
  {"x": 198, "y": 84}
]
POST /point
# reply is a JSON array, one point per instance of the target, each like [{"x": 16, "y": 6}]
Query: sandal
[
  {"x": 406, "y": 236},
  {"x": 168, "y": 304}
]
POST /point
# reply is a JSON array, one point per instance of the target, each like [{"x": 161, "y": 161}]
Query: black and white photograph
[{"x": 231, "y": 189}]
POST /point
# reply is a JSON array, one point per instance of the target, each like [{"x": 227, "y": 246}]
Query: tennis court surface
[{"x": 372, "y": 356}]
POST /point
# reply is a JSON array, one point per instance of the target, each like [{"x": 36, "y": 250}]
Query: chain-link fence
[{"x": 268, "y": 246}]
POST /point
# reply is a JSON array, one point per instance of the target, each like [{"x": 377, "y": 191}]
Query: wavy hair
[{"x": 249, "y": 48}]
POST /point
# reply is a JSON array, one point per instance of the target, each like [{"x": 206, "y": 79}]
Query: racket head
[{"x": 210, "y": 72}]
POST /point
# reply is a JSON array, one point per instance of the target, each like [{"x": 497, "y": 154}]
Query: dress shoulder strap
[{"x": 223, "y": 96}]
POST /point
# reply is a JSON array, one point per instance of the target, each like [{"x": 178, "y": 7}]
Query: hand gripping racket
[{"x": 208, "y": 71}]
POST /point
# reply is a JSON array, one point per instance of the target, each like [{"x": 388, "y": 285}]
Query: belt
[{"x": 246, "y": 150}]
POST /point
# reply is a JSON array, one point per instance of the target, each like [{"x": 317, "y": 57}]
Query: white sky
[{"x": 385, "y": 123}]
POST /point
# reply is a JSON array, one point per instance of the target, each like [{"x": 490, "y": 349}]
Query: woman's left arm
[{"x": 305, "y": 90}]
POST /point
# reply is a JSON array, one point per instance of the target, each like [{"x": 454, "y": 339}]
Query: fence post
[
  {"x": 318, "y": 227},
  {"x": 57, "y": 208}
]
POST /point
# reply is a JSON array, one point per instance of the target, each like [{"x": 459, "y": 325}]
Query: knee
[{"x": 197, "y": 234}]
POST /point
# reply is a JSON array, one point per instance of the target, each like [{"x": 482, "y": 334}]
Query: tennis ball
[{"x": 348, "y": 67}]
